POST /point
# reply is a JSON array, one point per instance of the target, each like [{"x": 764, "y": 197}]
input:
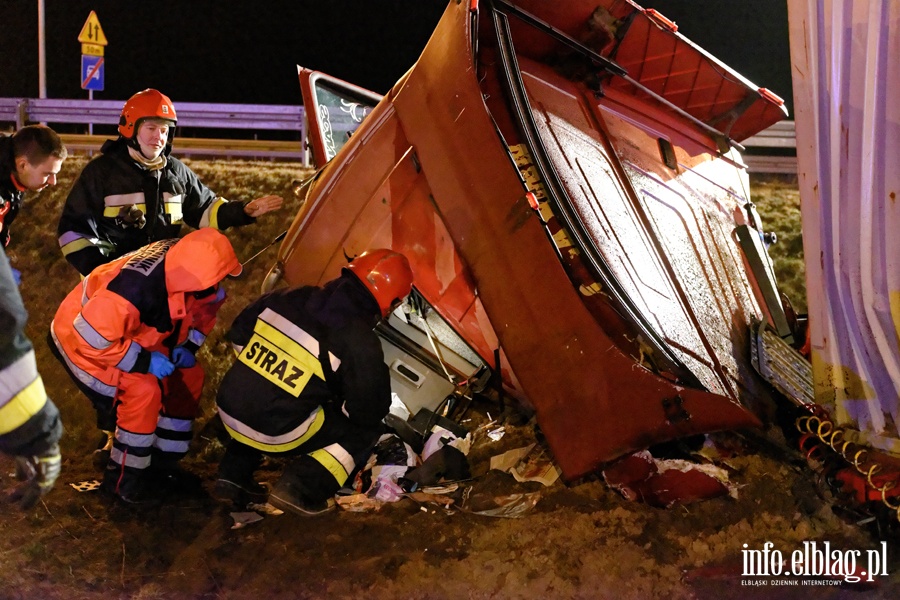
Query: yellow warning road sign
[{"x": 92, "y": 33}]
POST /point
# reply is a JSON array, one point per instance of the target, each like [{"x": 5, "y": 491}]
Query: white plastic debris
[
  {"x": 398, "y": 408},
  {"x": 438, "y": 438}
]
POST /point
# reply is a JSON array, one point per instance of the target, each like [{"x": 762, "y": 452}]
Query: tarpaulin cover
[{"x": 846, "y": 83}]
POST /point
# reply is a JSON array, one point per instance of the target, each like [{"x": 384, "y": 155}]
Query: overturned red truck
[{"x": 566, "y": 181}]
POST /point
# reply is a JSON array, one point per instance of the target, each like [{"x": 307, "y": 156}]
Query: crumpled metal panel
[
  {"x": 659, "y": 58},
  {"x": 428, "y": 174},
  {"x": 667, "y": 240},
  {"x": 594, "y": 403},
  {"x": 847, "y": 97}
]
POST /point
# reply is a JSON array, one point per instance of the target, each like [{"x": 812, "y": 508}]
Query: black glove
[
  {"x": 37, "y": 474},
  {"x": 131, "y": 216}
]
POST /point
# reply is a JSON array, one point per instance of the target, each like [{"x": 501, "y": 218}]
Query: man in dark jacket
[
  {"x": 310, "y": 381},
  {"x": 29, "y": 161},
  {"x": 30, "y": 426},
  {"x": 135, "y": 193}
]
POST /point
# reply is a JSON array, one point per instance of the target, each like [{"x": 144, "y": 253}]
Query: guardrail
[
  {"x": 259, "y": 117},
  {"x": 779, "y": 135},
  {"x": 203, "y": 147},
  {"x": 772, "y": 150},
  {"x": 190, "y": 114},
  {"x": 768, "y": 151}
]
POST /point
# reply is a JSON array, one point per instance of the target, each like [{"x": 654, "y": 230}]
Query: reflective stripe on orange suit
[{"x": 105, "y": 335}]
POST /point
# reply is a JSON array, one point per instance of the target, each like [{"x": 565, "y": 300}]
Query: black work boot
[
  {"x": 170, "y": 476},
  {"x": 241, "y": 494},
  {"x": 235, "y": 482},
  {"x": 291, "y": 496},
  {"x": 130, "y": 486}
]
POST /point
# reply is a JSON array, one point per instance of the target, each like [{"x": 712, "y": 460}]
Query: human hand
[
  {"x": 260, "y": 206},
  {"x": 160, "y": 366},
  {"x": 183, "y": 358},
  {"x": 38, "y": 475}
]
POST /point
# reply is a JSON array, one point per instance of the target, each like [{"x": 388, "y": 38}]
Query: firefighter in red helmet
[
  {"x": 136, "y": 193},
  {"x": 310, "y": 381}
]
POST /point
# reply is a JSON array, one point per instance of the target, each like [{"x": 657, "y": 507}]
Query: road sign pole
[
  {"x": 42, "y": 53},
  {"x": 93, "y": 47}
]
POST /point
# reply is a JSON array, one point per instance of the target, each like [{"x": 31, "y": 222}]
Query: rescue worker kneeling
[
  {"x": 310, "y": 381},
  {"x": 128, "y": 335}
]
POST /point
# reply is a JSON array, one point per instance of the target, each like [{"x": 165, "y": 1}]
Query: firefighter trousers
[{"x": 323, "y": 463}]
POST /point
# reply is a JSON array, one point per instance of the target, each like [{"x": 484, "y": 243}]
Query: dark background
[{"x": 247, "y": 52}]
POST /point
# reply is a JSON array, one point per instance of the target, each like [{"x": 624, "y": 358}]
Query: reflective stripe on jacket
[
  {"x": 300, "y": 349},
  {"x": 97, "y": 223},
  {"x": 29, "y": 421},
  {"x": 141, "y": 303}
]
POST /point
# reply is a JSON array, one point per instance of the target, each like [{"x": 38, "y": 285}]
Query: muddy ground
[{"x": 581, "y": 540}]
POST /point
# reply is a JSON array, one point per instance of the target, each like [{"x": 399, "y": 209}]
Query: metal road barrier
[
  {"x": 258, "y": 117},
  {"x": 204, "y": 147},
  {"x": 769, "y": 151},
  {"x": 190, "y": 114},
  {"x": 772, "y": 150}
]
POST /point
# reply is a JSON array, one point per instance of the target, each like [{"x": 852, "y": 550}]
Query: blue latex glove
[
  {"x": 183, "y": 358},
  {"x": 17, "y": 276},
  {"x": 160, "y": 366}
]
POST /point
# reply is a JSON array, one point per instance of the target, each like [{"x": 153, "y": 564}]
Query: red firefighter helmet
[
  {"x": 145, "y": 105},
  {"x": 386, "y": 274}
]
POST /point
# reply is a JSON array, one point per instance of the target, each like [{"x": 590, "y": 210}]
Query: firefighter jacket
[
  {"x": 117, "y": 206},
  {"x": 141, "y": 303},
  {"x": 298, "y": 349},
  {"x": 29, "y": 421},
  {"x": 10, "y": 192}
]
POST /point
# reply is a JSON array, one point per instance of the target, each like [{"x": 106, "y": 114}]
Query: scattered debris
[
  {"x": 440, "y": 489},
  {"x": 510, "y": 506},
  {"x": 529, "y": 463},
  {"x": 666, "y": 483},
  {"x": 496, "y": 434},
  {"x": 242, "y": 519},
  {"x": 358, "y": 503},
  {"x": 89, "y": 485},
  {"x": 508, "y": 460},
  {"x": 444, "y": 502},
  {"x": 265, "y": 508}
]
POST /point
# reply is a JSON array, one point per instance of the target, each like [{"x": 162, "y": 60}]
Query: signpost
[{"x": 93, "y": 45}]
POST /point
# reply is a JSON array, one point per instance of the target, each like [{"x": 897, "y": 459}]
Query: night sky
[{"x": 247, "y": 52}]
